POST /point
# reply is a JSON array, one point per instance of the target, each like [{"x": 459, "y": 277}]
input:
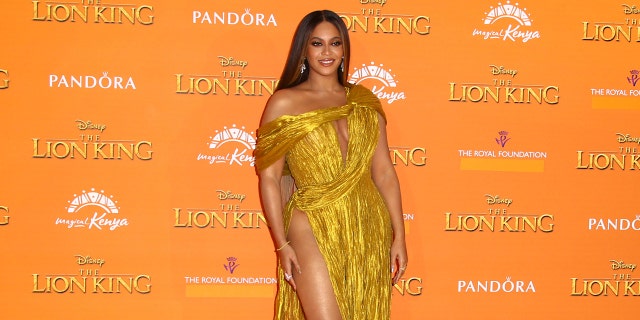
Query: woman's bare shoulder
[{"x": 282, "y": 102}]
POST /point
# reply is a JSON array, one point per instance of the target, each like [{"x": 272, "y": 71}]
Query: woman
[{"x": 341, "y": 231}]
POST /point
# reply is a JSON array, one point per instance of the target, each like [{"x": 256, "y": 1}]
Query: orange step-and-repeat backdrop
[{"x": 128, "y": 187}]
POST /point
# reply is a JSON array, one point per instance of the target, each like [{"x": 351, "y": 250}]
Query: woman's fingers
[
  {"x": 290, "y": 266},
  {"x": 399, "y": 261}
]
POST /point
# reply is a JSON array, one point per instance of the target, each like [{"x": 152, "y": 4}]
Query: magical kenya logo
[
  {"x": 507, "y": 22},
  {"x": 231, "y": 146},
  {"x": 93, "y": 210},
  {"x": 383, "y": 82}
]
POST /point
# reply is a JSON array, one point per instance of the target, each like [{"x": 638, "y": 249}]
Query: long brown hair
[{"x": 291, "y": 75}]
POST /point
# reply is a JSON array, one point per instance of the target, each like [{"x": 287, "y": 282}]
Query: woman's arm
[
  {"x": 270, "y": 192},
  {"x": 386, "y": 180},
  {"x": 269, "y": 187}
]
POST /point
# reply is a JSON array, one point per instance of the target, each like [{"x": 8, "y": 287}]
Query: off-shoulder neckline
[{"x": 313, "y": 112}]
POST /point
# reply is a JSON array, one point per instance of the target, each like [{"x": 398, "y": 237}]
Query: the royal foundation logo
[
  {"x": 502, "y": 155},
  {"x": 92, "y": 11},
  {"x": 91, "y": 145},
  {"x": 507, "y": 22},
  {"x": 230, "y": 80},
  {"x": 633, "y": 78},
  {"x": 93, "y": 210},
  {"x": 381, "y": 81},
  {"x": 227, "y": 214},
  {"x": 231, "y": 146},
  {"x": 626, "y": 29},
  {"x": 496, "y": 286},
  {"x": 104, "y": 81},
  {"x": 497, "y": 218},
  {"x": 235, "y": 18},
  {"x": 503, "y": 89},
  {"x": 4, "y": 216},
  {"x": 375, "y": 18},
  {"x": 622, "y": 95},
  {"x": 619, "y": 283},
  {"x": 614, "y": 224},
  {"x": 92, "y": 279},
  {"x": 231, "y": 264},
  {"x": 624, "y": 156},
  {"x": 4, "y": 79},
  {"x": 408, "y": 156},
  {"x": 231, "y": 281}
]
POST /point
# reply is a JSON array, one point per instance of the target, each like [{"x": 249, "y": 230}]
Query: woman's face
[{"x": 324, "y": 49}]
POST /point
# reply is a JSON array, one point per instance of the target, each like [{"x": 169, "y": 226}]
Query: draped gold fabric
[{"x": 348, "y": 216}]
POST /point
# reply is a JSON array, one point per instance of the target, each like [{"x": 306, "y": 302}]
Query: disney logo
[
  {"x": 228, "y": 195},
  {"x": 380, "y": 2},
  {"x": 491, "y": 200},
  {"x": 617, "y": 265},
  {"x": 87, "y": 125},
  {"x": 495, "y": 70},
  {"x": 230, "y": 62},
  {"x": 622, "y": 138},
  {"x": 82, "y": 260}
]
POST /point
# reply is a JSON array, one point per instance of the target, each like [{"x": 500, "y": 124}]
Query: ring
[
  {"x": 403, "y": 268},
  {"x": 287, "y": 276}
]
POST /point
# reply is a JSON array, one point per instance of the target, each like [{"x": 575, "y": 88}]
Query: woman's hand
[
  {"x": 398, "y": 259},
  {"x": 289, "y": 263}
]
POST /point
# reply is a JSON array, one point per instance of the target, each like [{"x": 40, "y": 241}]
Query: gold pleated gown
[{"x": 346, "y": 212}]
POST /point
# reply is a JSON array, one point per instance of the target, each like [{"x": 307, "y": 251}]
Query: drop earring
[
  {"x": 303, "y": 67},
  {"x": 342, "y": 65}
]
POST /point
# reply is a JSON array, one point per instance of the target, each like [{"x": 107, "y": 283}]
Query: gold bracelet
[{"x": 284, "y": 245}]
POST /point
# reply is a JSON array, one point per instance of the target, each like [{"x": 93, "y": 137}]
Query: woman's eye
[
  {"x": 316, "y": 43},
  {"x": 336, "y": 43}
]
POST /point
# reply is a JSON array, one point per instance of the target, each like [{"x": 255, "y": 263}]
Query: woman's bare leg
[{"x": 314, "y": 287}]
